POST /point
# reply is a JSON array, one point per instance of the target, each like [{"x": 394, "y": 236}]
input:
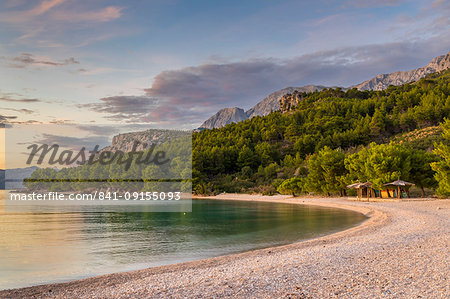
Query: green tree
[
  {"x": 290, "y": 186},
  {"x": 266, "y": 153},
  {"x": 270, "y": 171},
  {"x": 247, "y": 158},
  {"x": 327, "y": 171},
  {"x": 442, "y": 167},
  {"x": 378, "y": 125},
  {"x": 246, "y": 172},
  {"x": 421, "y": 172},
  {"x": 150, "y": 174},
  {"x": 380, "y": 164},
  {"x": 40, "y": 179}
]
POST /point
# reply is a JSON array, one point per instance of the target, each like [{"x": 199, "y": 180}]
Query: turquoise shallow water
[{"x": 44, "y": 248}]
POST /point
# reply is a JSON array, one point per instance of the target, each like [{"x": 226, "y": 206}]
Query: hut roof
[
  {"x": 354, "y": 186},
  {"x": 399, "y": 183},
  {"x": 360, "y": 185}
]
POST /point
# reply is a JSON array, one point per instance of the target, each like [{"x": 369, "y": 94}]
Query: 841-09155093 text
[{"x": 101, "y": 196}]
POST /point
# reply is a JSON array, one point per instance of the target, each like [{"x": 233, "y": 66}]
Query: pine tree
[{"x": 442, "y": 167}]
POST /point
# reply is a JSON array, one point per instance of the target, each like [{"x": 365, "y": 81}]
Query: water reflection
[{"x": 41, "y": 248}]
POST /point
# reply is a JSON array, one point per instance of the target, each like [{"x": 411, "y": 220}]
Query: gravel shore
[{"x": 401, "y": 251}]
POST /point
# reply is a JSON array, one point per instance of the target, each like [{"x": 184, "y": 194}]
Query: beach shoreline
[{"x": 411, "y": 235}]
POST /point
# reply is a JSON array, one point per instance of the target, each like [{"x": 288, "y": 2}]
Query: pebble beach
[{"x": 400, "y": 251}]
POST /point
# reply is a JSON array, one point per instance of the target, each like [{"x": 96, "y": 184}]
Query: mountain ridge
[
  {"x": 272, "y": 101},
  {"x": 224, "y": 117},
  {"x": 382, "y": 81}
]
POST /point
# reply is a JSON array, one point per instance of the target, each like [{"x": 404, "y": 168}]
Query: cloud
[
  {"x": 6, "y": 118},
  {"x": 101, "y": 70},
  {"x": 57, "y": 23},
  {"x": 18, "y": 16},
  {"x": 9, "y": 97},
  {"x": 440, "y": 4},
  {"x": 61, "y": 121},
  {"x": 124, "y": 108},
  {"x": 26, "y": 60},
  {"x": 239, "y": 83},
  {"x": 26, "y": 122},
  {"x": 43, "y": 7},
  {"x": 122, "y": 104},
  {"x": 26, "y": 111},
  {"x": 75, "y": 143},
  {"x": 103, "y": 15},
  {"x": 144, "y": 109},
  {"x": 104, "y": 130},
  {"x": 372, "y": 3},
  {"x": 430, "y": 20},
  {"x": 13, "y": 3},
  {"x": 187, "y": 96},
  {"x": 71, "y": 14},
  {"x": 110, "y": 130}
]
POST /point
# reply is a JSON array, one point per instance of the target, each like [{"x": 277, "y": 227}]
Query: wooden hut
[
  {"x": 364, "y": 190},
  {"x": 398, "y": 189}
]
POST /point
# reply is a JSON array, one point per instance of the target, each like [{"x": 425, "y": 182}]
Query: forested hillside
[
  {"x": 288, "y": 150},
  {"x": 318, "y": 143}
]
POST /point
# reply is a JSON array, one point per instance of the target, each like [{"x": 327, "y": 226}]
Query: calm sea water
[{"x": 44, "y": 248}]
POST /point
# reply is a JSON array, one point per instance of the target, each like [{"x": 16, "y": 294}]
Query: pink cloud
[
  {"x": 73, "y": 14},
  {"x": 43, "y": 7},
  {"x": 26, "y": 60},
  {"x": 20, "y": 16},
  {"x": 103, "y": 15}
]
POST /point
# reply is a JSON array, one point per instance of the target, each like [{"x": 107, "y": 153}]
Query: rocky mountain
[
  {"x": 13, "y": 178},
  {"x": 270, "y": 103},
  {"x": 224, "y": 117},
  {"x": 125, "y": 142},
  {"x": 382, "y": 81}
]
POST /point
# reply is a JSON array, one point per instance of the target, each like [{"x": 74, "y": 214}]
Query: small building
[
  {"x": 364, "y": 190},
  {"x": 398, "y": 189}
]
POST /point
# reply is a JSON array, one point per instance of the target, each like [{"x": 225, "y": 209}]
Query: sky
[{"x": 174, "y": 63}]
